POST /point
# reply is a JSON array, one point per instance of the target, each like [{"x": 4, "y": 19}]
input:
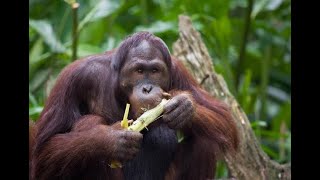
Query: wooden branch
[{"x": 251, "y": 162}]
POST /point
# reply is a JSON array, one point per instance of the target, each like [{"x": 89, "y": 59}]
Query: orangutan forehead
[
  {"x": 145, "y": 50},
  {"x": 145, "y": 45}
]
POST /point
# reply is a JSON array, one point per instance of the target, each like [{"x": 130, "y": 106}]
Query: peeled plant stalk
[
  {"x": 148, "y": 117},
  {"x": 124, "y": 124},
  {"x": 142, "y": 122}
]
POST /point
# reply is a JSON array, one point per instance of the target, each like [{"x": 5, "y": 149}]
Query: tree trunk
[{"x": 251, "y": 162}]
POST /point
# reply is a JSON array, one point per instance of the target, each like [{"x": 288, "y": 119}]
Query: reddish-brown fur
[{"x": 73, "y": 144}]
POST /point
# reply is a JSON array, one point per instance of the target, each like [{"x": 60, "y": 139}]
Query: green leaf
[
  {"x": 272, "y": 134},
  {"x": 36, "y": 51},
  {"x": 70, "y": 2},
  {"x": 38, "y": 63},
  {"x": 109, "y": 44},
  {"x": 102, "y": 9},
  {"x": 284, "y": 115},
  {"x": 278, "y": 94},
  {"x": 39, "y": 78},
  {"x": 222, "y": 32},
  {"x": 88, "y": 49},
  {"x": 263, "y": 5},
  {"x": 258, "y": 7},
  {"x": 33, "y": 100},
  {"x": 244, "y": 91},
  {"x": 274, "y": 4},
  {"x": 258, "y": 123},
  {"x": 221, "y": 170},
  {"x": 270, "y": 151},
  {"x": 35, "y": 110},
  {"x": 238, "y": 3},
  {"x": 50, "y": 84},
  {"x": 157, "y": 27},
  {"x": 44, "y": 28}
]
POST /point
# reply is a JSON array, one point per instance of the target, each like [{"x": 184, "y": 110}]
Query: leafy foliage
[{"x": 264, "y": 88}]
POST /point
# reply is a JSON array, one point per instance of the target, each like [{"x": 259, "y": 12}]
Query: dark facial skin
[{"x": 145, "y": 77}]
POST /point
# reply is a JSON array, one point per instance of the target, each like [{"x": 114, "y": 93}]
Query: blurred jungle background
[{"x": 249, "y": 41}]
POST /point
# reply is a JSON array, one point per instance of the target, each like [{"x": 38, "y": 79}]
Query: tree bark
[{"x": 251, "y": 162}]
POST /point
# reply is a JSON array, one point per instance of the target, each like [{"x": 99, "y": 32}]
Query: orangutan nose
[{"x": 147, "y": 89}]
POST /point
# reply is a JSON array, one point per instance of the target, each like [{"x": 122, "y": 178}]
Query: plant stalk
[{"x": 75, "y": 7}]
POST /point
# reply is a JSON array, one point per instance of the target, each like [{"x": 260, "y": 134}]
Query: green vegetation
[{"x": 256, "y": 64}]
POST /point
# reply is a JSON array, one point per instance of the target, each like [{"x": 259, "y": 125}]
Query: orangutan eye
[
  {"x": 139, "y": 70},
  {"x": 154, "y": 70}
]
